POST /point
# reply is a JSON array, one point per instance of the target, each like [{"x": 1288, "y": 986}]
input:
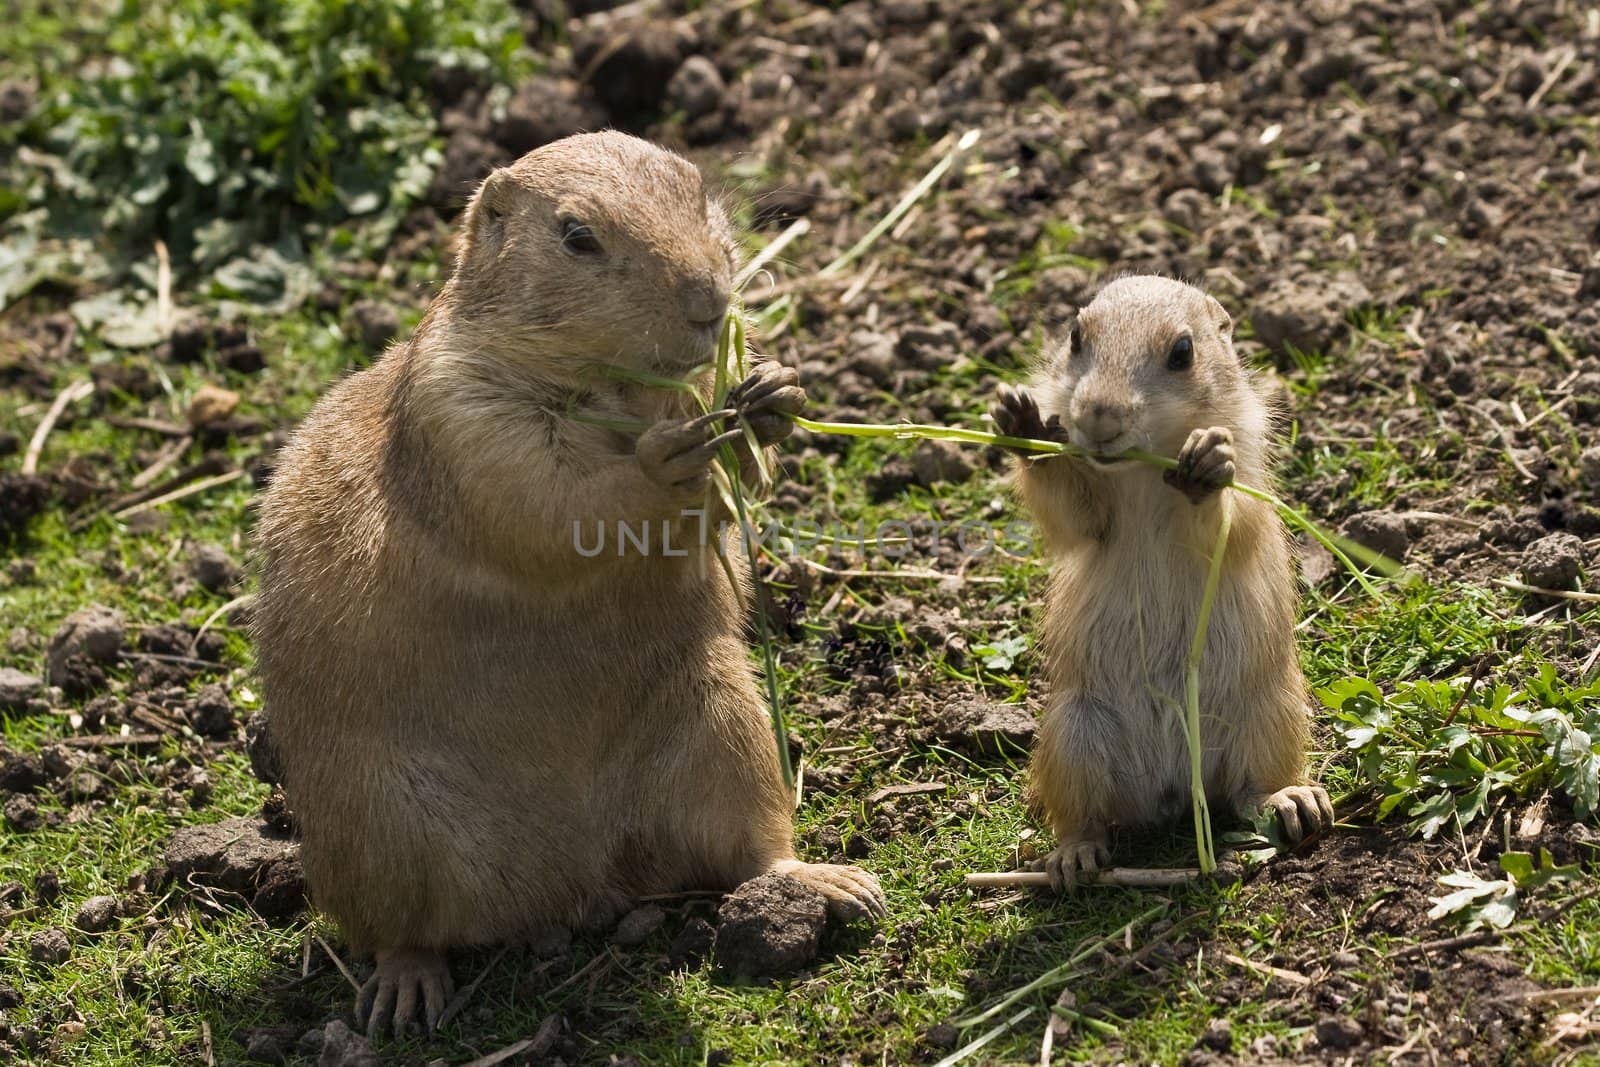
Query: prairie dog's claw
[
  {"x": 1016, "y": 414},
  {"x": 405, "y": 979},
  {"x": 1303, "y": 810},
  {"x": 1072, "y": 858},
  {"x": 852, "y": 893},
  {"x": 767, "y": 399},
  {"x": 1206, "y": 464}
]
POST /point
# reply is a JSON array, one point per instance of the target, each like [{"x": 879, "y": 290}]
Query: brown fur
[
  {"x": 484, "y": 733},
  {"x": 1130, "y": 557}
]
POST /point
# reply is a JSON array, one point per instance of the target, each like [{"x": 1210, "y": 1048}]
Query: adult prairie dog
[
  {"x": 485, "y": 732},
  {"x": 1150, "y": 365}
]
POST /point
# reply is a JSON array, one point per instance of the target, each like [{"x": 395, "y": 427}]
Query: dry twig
[{"x": 69, "y": 395}]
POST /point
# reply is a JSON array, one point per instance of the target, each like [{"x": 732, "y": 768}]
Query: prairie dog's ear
[
  {"x": 1220, "y": 317},
  {"x": 484, "y": 230}
]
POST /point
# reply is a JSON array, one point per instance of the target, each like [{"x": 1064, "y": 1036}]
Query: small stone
[
  {"x": 905, "y": 121},
  {"x": 282, "y": 891},
  {"x": 21, "y": 772},
  {"x": 47, "y": 887},
  {"x": 264, "y": 761},
  {"x": 1338, "y": 1032},
  {"x": 637, "y": 926},
  {"x": 342, "y": 1047},
  {"x": 929, "y": 347},
  {"x": 1381, "y": 531},
  {"x": 94, "y": 632},
  {"x": 265, "y": 1047},
  {"x": 1344, "y": 961},
  {"x": 243, "y": 359},
  {"x": 987, "y": 726},
  {"x": 941, "y": 1037},
  {"x": 22, "y": 813},
  {"x": 1553, "y": 562},
  {"x": 49, "y": 946},
  {"x": 692, "y": 945},
  {"x": 696, "y": 88},
  {"x": 1589, "y": 467},
  {"x": 212, "y": 715},
  {"x": 546, "y": 109},
  {"x": 940, "y": 461},
  {"x": 1218, "y": 1036},
  {"x": 629, "y": 63},
  {"x": 871, "y": 355},
  {"x": 310, "y": 1042},
  {"x": 22, "y": 496},
  {"x": 96, "y": 914},
  {"x": 1482, "y": 218},
  {"x": 770, "y": 926},
  {"x": 210, "y": 566},
  {"x": 210, "y": 405},
  {"x": 1308, "y": 313},
  {"x": 9, "y": 997},
  {"x": 87, "y": 785},
  {"x": 17, "y": 99},
  {"x": 376, "y": 324},
  {"x": 17, "y": 688}
]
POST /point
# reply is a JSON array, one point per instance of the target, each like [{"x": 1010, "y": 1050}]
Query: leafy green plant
[
  {"x": 1476, "y": 902},
  {"x": 1440, "y": 755},
  {"x": 217, "y": 126}
]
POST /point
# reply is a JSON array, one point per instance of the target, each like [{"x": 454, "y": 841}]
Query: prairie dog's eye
[
  {"x": 1077, "y": 339},
  {"x": 577, "y": 239},
  {"x": 1181, "y": 356}
]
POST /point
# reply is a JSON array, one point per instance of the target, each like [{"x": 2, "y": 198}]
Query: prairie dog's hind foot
[
  {"x": 1074, "y": 858},
  {"x": 405, "y": 979},
  {"x": 1206, "y": 464},
  {"x": 1303, "y": 810},
  {"x": 852, "y": 893}
]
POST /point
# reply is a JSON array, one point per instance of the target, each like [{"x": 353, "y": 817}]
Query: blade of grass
[
  {"x": 976, "y": 1044},
  {"x": 917, "y": 192},
  {"x": 1197, "y": 786},
  {"x": 1061, "y": 972},
  {"x": 922, "y": 431}
]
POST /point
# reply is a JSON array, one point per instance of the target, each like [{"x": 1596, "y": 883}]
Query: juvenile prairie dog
[
  {"x": 484, "y": 732},
  {"x": 1150, "y": 365}
]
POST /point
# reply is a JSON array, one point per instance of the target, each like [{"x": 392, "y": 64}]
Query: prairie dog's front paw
[
  {"x": 1016, "y": 414},
  {"x": 1206, "y": 464},
  {"x": 851, "y": 893},
  {"x": 1303, "y": 810},
  {"x": 1074, "y": 862},
  {"x": 677, "y": 454},
  {"x": 767, "y": 399}
]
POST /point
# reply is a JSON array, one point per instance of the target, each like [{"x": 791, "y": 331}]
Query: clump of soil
[
  {"x": 244, "y": 856},
  {"x": 770, "y": 926},
  {"x": 988, "y": 727}
]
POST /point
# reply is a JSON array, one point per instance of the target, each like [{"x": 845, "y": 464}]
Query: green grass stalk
[
  {"x": 1204, "y": 845},
  {"x": 896, "y": 213},
  {"x": 1343, "y": 550}
]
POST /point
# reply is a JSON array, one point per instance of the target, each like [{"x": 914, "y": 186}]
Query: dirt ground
[{"x": 1399, "y": 203}]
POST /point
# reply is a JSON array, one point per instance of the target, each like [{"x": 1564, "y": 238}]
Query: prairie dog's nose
[
  {"x": 1102, "y": 422},
  {"x": 704, "y": 301}
]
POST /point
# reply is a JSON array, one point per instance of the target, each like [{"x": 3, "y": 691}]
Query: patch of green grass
[{"x": 220, "y": 126}]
